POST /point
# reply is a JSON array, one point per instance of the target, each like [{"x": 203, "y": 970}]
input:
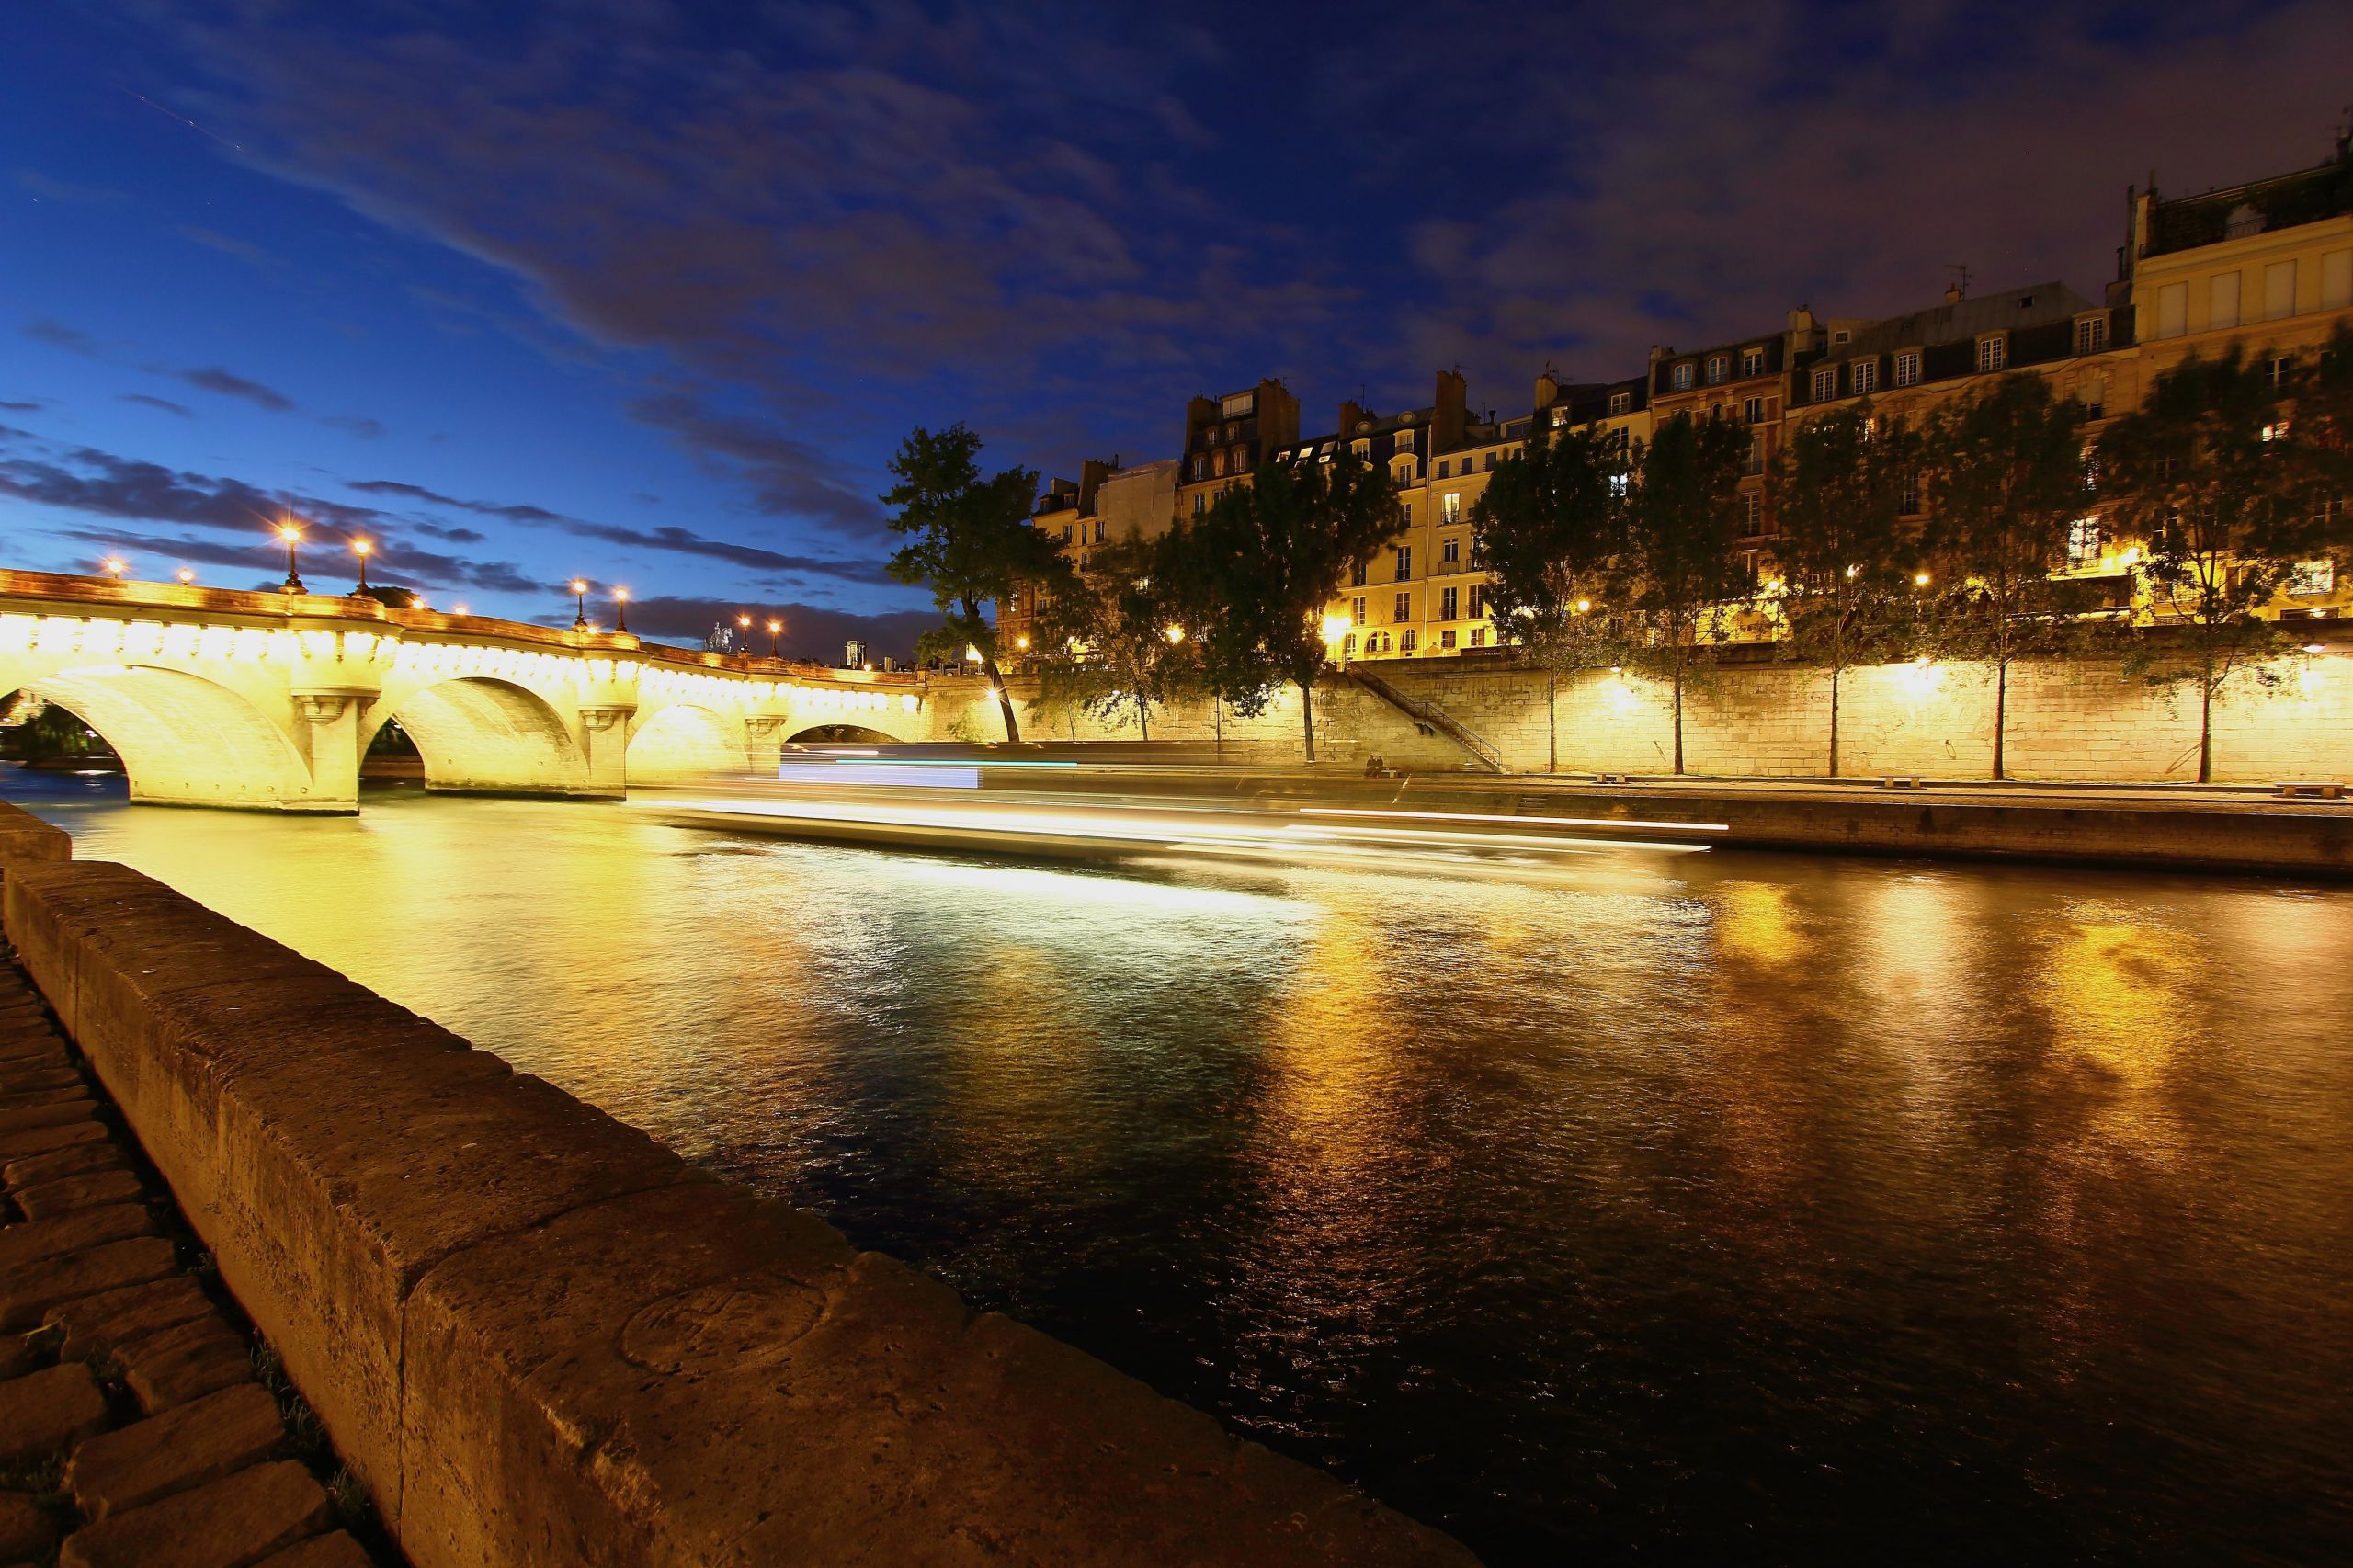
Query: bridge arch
[
  {"x": 682, "y": 741},
  {"x": 185, "y": 740},
  {"x": 486, "y": 734},
  {"x": 841, "y": 735}
]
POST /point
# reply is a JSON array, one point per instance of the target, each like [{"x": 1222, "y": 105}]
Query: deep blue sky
[{"x": 648, "y": 291}]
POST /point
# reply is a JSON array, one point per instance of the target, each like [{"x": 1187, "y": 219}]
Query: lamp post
[
  {"x": 363, "y": 548},
  {"x": 775, "y": 630},
  {"x": 621, "y": 609},
  {"x": 292, "y": 536},
  {"x": 579, "y": 605},
  {"x": 113, "y": 566},
  {"x": 187, "y": 576},
  {"x": 744, "y": 636}
]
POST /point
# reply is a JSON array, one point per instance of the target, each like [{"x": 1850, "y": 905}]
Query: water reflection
[{"x": 1740, "y": 1208}]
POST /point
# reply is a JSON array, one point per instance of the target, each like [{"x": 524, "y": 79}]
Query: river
[{"x": 1721, "y": 1208}]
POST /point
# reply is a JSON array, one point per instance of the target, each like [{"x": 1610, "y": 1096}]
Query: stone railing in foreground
[{"x": 540, "y": 1338}]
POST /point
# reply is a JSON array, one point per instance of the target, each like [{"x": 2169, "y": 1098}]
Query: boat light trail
[{"x": 1490, "y": 816}]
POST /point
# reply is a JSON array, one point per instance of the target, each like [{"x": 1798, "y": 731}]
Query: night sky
[{"x": 648, "y": 293}]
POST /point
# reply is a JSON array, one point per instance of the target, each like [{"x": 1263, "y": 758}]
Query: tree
[
  {"x": 2006, "y": 470},
  {"x": 1680, "y": 576},
  {"x": 2226, "y": 494},
  {"x": 1114, "y": 640},
  {"x": 1847, "y": 557},
  {"x": 1258, "y": 570},
  {"x": 1547, "y": 530},
  {"x": 972, "y": 544}
]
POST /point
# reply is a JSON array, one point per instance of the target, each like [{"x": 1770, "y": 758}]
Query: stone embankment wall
[
  {"x": 537, "y": 1336},
  {"x": 2077, "y": 721}
]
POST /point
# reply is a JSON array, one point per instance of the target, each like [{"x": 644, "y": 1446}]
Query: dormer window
[
  {"x": 1825, "y": 383},
  {"x": 2091, "y": 333},
  {"x": 1993, "y": 352},
  {"x": 1865, "y": 377},
  {"x": 1719, "y": 367},
  {"x": 1908, "y": 367},
  {"x": 1621, "y": 402},
  {"x": 1752, "y": 361},
  {"x": 1682, "y": 376}
]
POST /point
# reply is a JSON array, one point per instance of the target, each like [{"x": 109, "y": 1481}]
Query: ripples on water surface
[{"x": 1732, "y": 1207}]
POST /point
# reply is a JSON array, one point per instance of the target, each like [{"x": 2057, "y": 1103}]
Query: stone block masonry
[{"x": 538, "y": 1337}]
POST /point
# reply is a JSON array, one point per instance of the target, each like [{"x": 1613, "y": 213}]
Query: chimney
[
  {"x": 1351, "y": 416},
  {"x": 1952, "y": 293},
  {"x": 1548, "y": 388},
  {"x": 1447, "y": 419}
]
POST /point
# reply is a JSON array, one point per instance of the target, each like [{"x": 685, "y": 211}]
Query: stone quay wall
[
  {"x": 537, "y": 1336},
  {"x": 2073, "y": 722}
]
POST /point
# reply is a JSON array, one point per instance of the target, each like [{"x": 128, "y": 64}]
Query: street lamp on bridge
[
  {"x": 292, "y": 536},
  {"x": 621, "y": 609},
  {"x": 363, "y": 548},
  {"x": 579, "y": 605},
  {"x": 113, "y": 566},
  {"x": 775, "y": 630},
  {"x": 744, "y": 636},
  {"x": 187, "y": 576}
]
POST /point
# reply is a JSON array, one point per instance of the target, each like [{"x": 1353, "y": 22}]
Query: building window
[
  {"x": 1621, "y": 402},
  {"x": 1355, "y": 609},
  {"x": 1752, "y": 361},
  {"x": 1356, "y": 575},
  {"x": 1201, "y": 466},
  {"x": 1756, "y": 462},
  {"x": 1449, "y": 551},
  {"x": 1405, "y": 562},
  {"x": 1100, "y": 524},
  {"x": 1908, "y": 367},
  {"x": 1478, "y": 637},
  {"x": 2312, "y": 577},
  {"x": 1908, "y": 503},
  {"x": 1478, "y": 600},
  {"x": 1200, "y": 501},
  {"x": 1451, "y": 505},
  {"x": 1347, "y": 644},
  {"x": 1405, "y": 641},
  {"x": 1719, "y": 368},
  {"x": 1235, "y": 407},
  {"x": 2279, "y": 290},
  {"x": 1491, "y": 463},
  {"x": 2083, "y": 541},
  {"x": 1826, "y": 383},
  {"x": 1752, "y": 514},
  {"x": 2173, "y": 311},
  {"x": 2093, "y": 395},
  {"x": 1619, "y": 484},
  {"x": 2091, "y": 335},
  {"x": 1066, "y": 533},
  {"x": 2275, "y": 373},
  {"x": 1993, "y": 353},
  {"x": 1404, "y": 607},
  {"x": 2222, "y": 300},
  {"x": 1446, "y": 604},
  {"x": 1441, "y": 468},
  {"x": 1446, "y": 638},
  {"x": 1866, "y": 374},
  {"x": 1753, "y": 411},
  {"x": 1683, "y": 375}
]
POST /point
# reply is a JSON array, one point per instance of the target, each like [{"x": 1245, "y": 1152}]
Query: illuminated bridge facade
[{"x": 222, "y": 698}]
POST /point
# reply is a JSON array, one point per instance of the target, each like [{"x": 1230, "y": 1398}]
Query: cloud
[
  {"x": 787, "y": 478},
  {"x": 227, "y": 245},
  {"x": 166, "y": 404},
  {"x": 813, "y": 632},
  {"x": 57, "y": 334},
  {"x": 45, "y": 188},
  {"x": 365, "y": 429},
  {"x": 212, "y": 378},
  {"x": 668, "y": 540},
  {"x": 33, "y": 407}
]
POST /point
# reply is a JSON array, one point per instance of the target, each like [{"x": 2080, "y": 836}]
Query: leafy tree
[
  {"x": 1114, "y": 641},
  {"x": 1678, "y": 568},
  {"x": 2226, "y": 493},
  {"x": 1257, "y": 571},
  {"x": 2006, "y": 470},
  {"x": 972, "y": 544},
  {"x": 1547, "y": 530},
  {"x": 1846, "y": 554}
]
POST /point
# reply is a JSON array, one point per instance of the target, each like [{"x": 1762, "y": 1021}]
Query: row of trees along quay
[{"x": 1943, "y": 542}]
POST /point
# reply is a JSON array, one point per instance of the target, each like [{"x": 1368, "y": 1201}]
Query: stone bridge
[{"x": 224, "y": 698}]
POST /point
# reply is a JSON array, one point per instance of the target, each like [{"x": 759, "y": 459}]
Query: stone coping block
[
  {"x": 181, "y": 1449},
  {"x": 24, "y": 836},
  {"x": 29, "y": 1291},
  {"x": 36, "y": 1239},
  {"x": 537, "y": 1336},
  {"x": 238, "y": 1519}
]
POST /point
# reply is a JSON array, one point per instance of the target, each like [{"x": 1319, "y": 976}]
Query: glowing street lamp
[
  {"x": 621, "y": 609},
  {"x": 775, "y": 630},
  {"x": 579, "y": 605},
  {"x": 1919, "y": 579},
  {"x": 187, "y": 574},
  {"x": 292, "y": 536},
  {"x": 114, "y": 566},
  {"x": 1175, "y": 634},
  {"x": 363, "y": 548},
  {"x": 1583, "y": 605},
  {"x": 459, "y": 608},
  {"x": 743, "y": 637}
]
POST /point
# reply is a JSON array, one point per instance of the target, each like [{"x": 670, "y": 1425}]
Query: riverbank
[{"x": 537, "y": 1336}]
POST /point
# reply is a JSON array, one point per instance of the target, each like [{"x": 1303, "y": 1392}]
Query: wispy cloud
[{"x": 165, "y": 403}]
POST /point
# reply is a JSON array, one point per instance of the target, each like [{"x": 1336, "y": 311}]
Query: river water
[{"x": 1720, "y": 1208}]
